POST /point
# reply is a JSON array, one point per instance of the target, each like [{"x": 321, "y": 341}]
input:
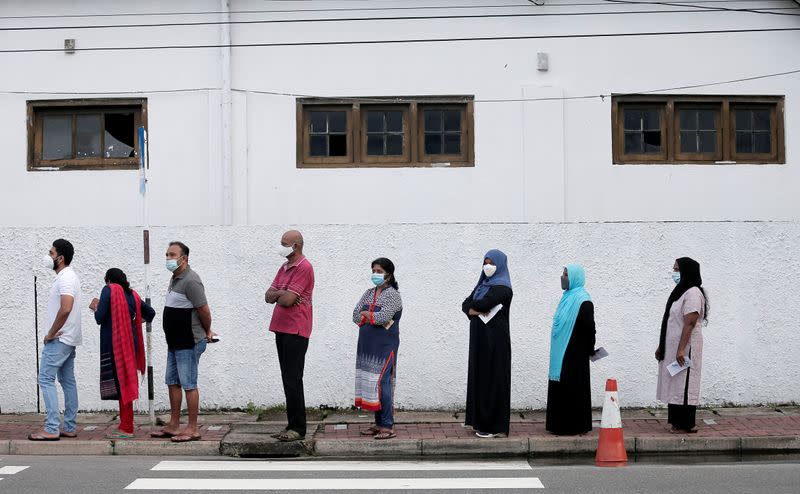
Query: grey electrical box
[
  {"x": 69, "y": 46},
  {"x": 542, "y": 63}
]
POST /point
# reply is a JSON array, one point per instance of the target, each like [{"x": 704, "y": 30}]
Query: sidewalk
[{"x": 419, "y": 434}]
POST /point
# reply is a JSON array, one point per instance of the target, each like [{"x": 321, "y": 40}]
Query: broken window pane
[
  {"x": 337, "y": 145},
  {"x": 119, "y": 136},
  {"x": 87, "y": 136},
  {"x": 652, "y": 141},
  {"x": 57, "y": 137}
]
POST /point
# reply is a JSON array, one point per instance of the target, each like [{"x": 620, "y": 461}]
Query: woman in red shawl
[{"x": 120, "y": 312}]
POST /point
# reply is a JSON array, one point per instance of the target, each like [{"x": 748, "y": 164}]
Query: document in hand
[
  {"x": 674, "y": 368},
  {"x": 598, "y": 354},
  {"x": 489, "y": 315}
]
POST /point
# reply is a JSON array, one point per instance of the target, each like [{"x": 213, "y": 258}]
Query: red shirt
[{"x": 297, "y": 278}]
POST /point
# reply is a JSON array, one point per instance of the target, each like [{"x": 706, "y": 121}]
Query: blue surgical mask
[
  {"x": 172, "y": 264},
  {"x": 378, "y": 279},
  {"x": 676, "y": 277}
]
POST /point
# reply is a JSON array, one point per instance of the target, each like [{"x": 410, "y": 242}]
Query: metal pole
[
  {"x": 144, "y": 164},
  {"x": 36, "y": 325}
]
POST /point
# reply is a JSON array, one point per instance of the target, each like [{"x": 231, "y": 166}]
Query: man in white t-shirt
[{"x": 58, "y": 354}]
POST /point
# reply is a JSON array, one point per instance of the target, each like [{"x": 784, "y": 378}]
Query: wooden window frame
[
  {"x": 413, "y": 152},
  {"x": 404, "y": 158},
  {"x": 774, "y": 122},
  {"x": 38, "y": 109},
  {"x": 726, "y": 130},
  {"x": 676, "y": 132},
  {"x": 305, "y": 139},
  {"x": 649, "y": 157},
  {"x": 463, "y": 156}
]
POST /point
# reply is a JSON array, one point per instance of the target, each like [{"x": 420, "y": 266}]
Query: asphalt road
[{"x": 106, "y": 474}]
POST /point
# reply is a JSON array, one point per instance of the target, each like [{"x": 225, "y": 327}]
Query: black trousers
[{"x": 292, "y": 358}]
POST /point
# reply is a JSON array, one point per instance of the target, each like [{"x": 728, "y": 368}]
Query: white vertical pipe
[{"x": 225, "y": 69}]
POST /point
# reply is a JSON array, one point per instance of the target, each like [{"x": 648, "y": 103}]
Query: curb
[
  {"x": 240, "y": 445},
  {"x": 166, "y": 448},
  {"x": 576, "y": 445},
  {"x": 365, "y": 447},
  {"x": 64, "y": 447},
  {"x": 474, "y": 447},
  {"x": 671, "y": 445},
  {"x": 772, "y": 444}
]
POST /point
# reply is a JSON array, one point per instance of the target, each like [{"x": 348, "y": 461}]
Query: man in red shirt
[{"x": 291, "y": 322}]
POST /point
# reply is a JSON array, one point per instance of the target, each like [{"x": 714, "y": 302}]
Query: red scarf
[{"x": 126, "y": 358}]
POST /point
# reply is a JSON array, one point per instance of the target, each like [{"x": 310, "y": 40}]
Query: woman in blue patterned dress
[{"x": 378, "y": 316}]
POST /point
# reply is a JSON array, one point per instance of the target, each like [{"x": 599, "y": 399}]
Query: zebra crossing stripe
[
  {"x": 337, "y": 466},
  {"x": 11, "y": 470},
  {"x": 294, "y": 484}
]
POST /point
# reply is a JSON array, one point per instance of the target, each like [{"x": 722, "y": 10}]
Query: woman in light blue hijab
[
  {"x": 489, "y": 375},
  {"x": 572, "y": 338}
]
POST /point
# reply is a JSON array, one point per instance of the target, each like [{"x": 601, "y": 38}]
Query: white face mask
[
  {"x": 676, "y": 277},
  {"x": 48, "y": 263},
  {"x": 284, "y": 251},
  {"x": 489, "y": 270}
]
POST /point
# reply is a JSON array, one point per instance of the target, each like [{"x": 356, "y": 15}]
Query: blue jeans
[
  {"x": 58, "y": 359},
  {"x": 182, "y": 366}
]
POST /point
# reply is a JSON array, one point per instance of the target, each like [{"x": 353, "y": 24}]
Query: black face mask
[{"x": 564, "y": 283}]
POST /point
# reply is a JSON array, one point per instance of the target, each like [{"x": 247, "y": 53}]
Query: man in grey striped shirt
[{"x": 187, "y": 327}]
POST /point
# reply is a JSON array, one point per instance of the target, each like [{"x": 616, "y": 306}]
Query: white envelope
[
  {"x": 598, "y": 354},
  {"x": 489, "y": 315},
  {"x": 674, "y": 368}
]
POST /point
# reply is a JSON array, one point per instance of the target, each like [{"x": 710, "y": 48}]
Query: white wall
[
  {"x": 542, "y": 188},
  {"x": 749, "y": 341},
  {"x": 551, "y": 160}
]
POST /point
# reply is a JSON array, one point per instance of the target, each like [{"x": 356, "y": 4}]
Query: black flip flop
[{"x": 162, "y": 434}]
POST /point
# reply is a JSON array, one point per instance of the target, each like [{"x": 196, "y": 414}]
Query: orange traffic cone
[{"x": 611, "y": 445}]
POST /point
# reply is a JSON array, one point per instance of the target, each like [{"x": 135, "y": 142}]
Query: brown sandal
[
  {"x": 185, "y": 438},
  {"x": 371, "y": 431},
  {"x": 40, "y": 436},
  {"x": 385, "y": 435},
  {"x": 70, "y": 435}
]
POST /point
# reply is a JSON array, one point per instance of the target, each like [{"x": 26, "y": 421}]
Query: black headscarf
[{"x": 690, "y": 277}]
